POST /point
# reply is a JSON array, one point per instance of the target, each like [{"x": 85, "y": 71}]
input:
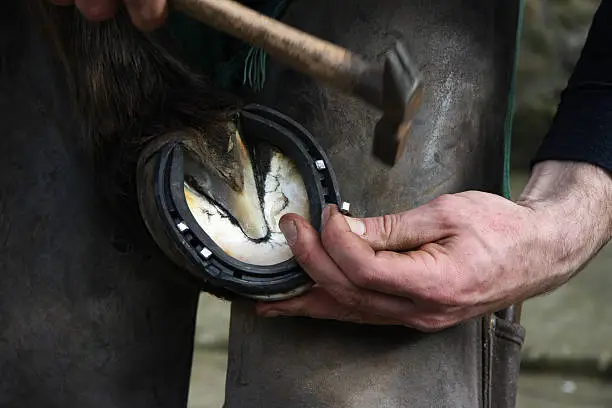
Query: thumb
[{"x": 401, "y": 231}]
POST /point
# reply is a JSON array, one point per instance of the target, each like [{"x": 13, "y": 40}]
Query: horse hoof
[{"x": 218, "y": 217}]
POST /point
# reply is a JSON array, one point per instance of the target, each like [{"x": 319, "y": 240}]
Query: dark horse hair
[
  {"x": 130, "y": 84},
  {"x": 127, "y": 88}
]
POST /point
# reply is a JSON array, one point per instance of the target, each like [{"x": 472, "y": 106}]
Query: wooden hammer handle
[{"x": 303, "y": 52}]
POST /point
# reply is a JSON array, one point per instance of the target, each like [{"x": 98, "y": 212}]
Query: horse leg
[{"x": 90, "y": 315}]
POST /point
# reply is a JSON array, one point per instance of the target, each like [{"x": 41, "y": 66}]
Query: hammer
[{"x": 394, "y": 87}]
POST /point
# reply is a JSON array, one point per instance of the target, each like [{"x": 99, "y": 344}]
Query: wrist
[{"x": 572, "y": 205}]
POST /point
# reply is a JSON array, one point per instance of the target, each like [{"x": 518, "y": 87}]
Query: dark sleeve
[{"x": 582, "y": 127}]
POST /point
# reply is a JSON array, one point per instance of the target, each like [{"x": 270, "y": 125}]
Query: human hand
[
  {"x": 455, "y": 258},
  {"x": 145, "y": 14}
]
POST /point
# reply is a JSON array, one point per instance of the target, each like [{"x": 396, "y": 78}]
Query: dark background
[{"x": 553, "y": 34}]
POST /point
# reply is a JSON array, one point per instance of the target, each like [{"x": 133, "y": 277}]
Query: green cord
[
  {"x": 510, "y": 110},
  {"x": 255, "y": 71},
  {"x": 221, "y": 56},
  {"x": 255, "y": 63}
]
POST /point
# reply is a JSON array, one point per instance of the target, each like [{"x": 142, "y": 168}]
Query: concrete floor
[
  {"x": 563, "y": 391},
  {"x": 208, "y": 379}
]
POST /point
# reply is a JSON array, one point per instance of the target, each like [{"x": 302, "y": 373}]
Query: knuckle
[
  {"x": 384, "y": 226},
  {"x": 443, "y": 297},
  {"x": 440, "y": 289},
  {"x": 303, "y": 255},
  {"x": 336, "y": 291},
  {"x": 443, "y": 201},
  {"x": 447, "y": 297},
  {"x": 363, "y": 277},
  {"x": 329, "y": 233},
  {"x": 434, "y": 296},
  {"x": 444, "y": 208},
  {"x": 456, "y": 289},
  {"x": 389, "y": 225},
  {"x": 351, "y": 299}
]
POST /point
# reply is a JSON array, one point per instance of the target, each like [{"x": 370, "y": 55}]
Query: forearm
[
  {"x": 570, "y": 187},
  {"x": 573, "y": 200}
]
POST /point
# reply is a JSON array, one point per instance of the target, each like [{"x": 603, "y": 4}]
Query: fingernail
[
  {"x": 270, "y": 313},
  {"x": 289, "y": 230},
  {"x": 356, "y": 225},
  {"x": 325, "y": 215}
]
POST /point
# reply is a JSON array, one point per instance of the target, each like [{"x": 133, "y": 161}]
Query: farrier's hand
[
  {"x": 146, "y": 14},
  {"x": 458, "y": 257}
]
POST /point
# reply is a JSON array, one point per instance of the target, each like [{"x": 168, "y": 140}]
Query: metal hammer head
[{"x": 402, "y": 94}]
